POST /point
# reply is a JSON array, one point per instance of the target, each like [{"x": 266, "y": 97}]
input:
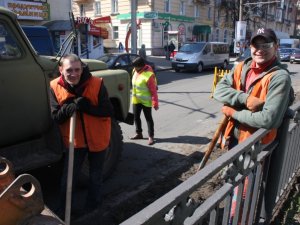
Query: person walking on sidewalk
[
  {"x": 76, "y": 90},
  {"x": 144, "y": 97},
  {"x": 256, "y": 94},
  {"x": 142, "y": 52}
]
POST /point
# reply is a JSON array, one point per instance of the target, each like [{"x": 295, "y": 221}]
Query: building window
[
  {"x": 115, "y": 32},
  {"x": 217, "y": 35},
  {"x": 182, "y": 8},
  {"x": 82, "y": 10},
  {"x": 114, "y": 6},
  {"x": 96, "y": 41},
  {"x": 97, "y": 8},
  {"x": 209, "y": 13},
  {"x": 225, "y": 36},
  {"x": 167, "y": 6},
  {"x": 196, "y": 11}
]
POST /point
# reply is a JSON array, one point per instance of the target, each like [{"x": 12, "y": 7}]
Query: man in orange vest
[
  {"x": 144, "y": 97},
  {"x": 256, "y": 94},
  {"x": 76, "y": 90}
]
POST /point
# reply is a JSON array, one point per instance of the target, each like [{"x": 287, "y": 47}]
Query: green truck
[{"x": 29, "y": 138}]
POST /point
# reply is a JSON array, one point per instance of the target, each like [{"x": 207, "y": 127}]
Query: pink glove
[{"x": 228, "y": 111}]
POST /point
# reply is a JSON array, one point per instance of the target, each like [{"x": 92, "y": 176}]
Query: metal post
[
  {"x": 133, "y": 27},
  {"x": 241, "y": 10}
]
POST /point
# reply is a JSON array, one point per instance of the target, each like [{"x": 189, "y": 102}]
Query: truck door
[{"x": 24, "y": 110}]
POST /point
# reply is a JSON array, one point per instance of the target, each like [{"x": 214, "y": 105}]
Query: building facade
[{"x": 103, "y": 24}]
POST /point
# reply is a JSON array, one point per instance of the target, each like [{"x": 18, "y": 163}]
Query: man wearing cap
[
  {"x": 255, "y": 94},
  {"x": 144, "y": 97}
]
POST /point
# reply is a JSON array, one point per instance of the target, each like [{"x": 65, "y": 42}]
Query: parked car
[
  {"x": 199, "y": 55},
  {"x": 285, "y": 53},
  {"x": 122, "y": 61},
  {"x": 295, "y": 57}
]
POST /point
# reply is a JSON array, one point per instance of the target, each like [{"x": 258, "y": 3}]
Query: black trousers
[
  {"x": 96, "y": 162},
  {"x": 137, "y": 109}
]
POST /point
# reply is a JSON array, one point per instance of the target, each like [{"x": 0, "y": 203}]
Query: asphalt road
[{"x": 184, "y": 124}]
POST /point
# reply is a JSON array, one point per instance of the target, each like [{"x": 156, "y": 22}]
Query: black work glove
[
  {"x": 82, "y": 103},
  {"x": 69, "y": 108}
]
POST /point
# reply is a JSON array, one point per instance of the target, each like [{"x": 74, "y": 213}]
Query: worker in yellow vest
[{"x": 144, "y": 97}]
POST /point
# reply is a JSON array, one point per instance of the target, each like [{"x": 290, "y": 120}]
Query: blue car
[{"x": 285, "y": 53}]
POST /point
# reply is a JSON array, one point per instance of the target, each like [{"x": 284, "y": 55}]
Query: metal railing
[{"x": 255, "y": 178}]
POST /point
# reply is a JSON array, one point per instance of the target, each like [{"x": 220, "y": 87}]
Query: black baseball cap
[
  {"x": 266, "y": 33},
  {"x": 138, "y": 62}
]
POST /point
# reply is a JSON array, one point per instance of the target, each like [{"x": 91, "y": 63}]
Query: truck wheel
[
  {"x": 115, "y": 149},
  {"x": 113, "y": 153}
]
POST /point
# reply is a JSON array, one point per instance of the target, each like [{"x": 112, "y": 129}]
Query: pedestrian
[
  {"x": 76, "y": 90},
  {"x": 120, "y": 47},
  {"x": 142, "y": 52},
  {"x": 255, "y": 94},
  {"x": 144, "y": 97}
]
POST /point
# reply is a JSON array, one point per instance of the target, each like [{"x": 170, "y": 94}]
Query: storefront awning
[
  {"x": 59, "y": 25},
  {"x": 201, "y": 29},
  {"x": 98, "y": 31}
]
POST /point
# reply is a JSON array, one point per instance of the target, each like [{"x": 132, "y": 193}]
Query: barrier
[
  {"x": 269, "y": 172},
  {"x": 218, "y": 75}
]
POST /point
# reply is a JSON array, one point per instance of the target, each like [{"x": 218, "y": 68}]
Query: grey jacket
[{"x": 276, "y": 102}]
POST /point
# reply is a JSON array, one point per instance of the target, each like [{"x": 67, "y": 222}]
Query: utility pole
[
  {"x": 133, "y": 27},
  {"x": 241, "y": 10}
]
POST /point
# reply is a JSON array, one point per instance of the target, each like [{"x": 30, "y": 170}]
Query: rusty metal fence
[{"x": 255, "y": 180}]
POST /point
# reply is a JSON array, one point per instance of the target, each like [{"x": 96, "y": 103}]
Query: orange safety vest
[
  {"x": 97, "y": 129},
  {"x": 260, "y": 91}
]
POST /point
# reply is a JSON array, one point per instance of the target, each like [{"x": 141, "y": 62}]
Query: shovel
[
  {"x": 70, "y": 170},
  {"x": 213, "y": 142}
]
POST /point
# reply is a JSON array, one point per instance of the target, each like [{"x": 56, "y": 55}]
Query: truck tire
[
  {"x": 114, "y": 150},
  {"x": 113, "y": 153}
]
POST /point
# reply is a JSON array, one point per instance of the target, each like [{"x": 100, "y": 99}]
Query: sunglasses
[{"x": 264, "y": 46}]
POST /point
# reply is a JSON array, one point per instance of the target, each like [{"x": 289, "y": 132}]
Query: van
[
  {"x": 199, "y": 55},
  {"x": 40, "y": 39}
]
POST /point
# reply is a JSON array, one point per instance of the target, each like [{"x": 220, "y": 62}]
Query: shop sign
[
  {"x": 29, "y": 10},
  {"x": 100, "y": 20},
  {"x": 84, "y": 20},
  {"x": 181, "y": 29},
  {"x": 150, "y": 15},
  {"x": 171, "y": 17},
  {"x": 98, "y": 31}
]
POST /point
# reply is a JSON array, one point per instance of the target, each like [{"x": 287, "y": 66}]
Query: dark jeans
[
  {"x": 96, "y": 161},
  {"x": 137, "y": 109}
]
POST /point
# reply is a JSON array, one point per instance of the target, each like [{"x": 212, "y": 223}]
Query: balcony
[
  {"x": 270, "y": 17},
  {"x": 83, "y": 1},
  {"x": 287, "y": 22},
  {"x": 206, "y": 2}
]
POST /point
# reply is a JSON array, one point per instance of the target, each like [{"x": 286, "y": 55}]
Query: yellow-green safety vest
[{"x": 140, "y": 91}]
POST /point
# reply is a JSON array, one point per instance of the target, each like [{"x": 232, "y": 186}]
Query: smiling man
[
  {"x": 255, "y": 94},
  {"x": 76, "y": 90}
]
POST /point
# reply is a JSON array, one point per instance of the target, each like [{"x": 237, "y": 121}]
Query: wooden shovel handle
[{"x": 213, "y": 142}]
